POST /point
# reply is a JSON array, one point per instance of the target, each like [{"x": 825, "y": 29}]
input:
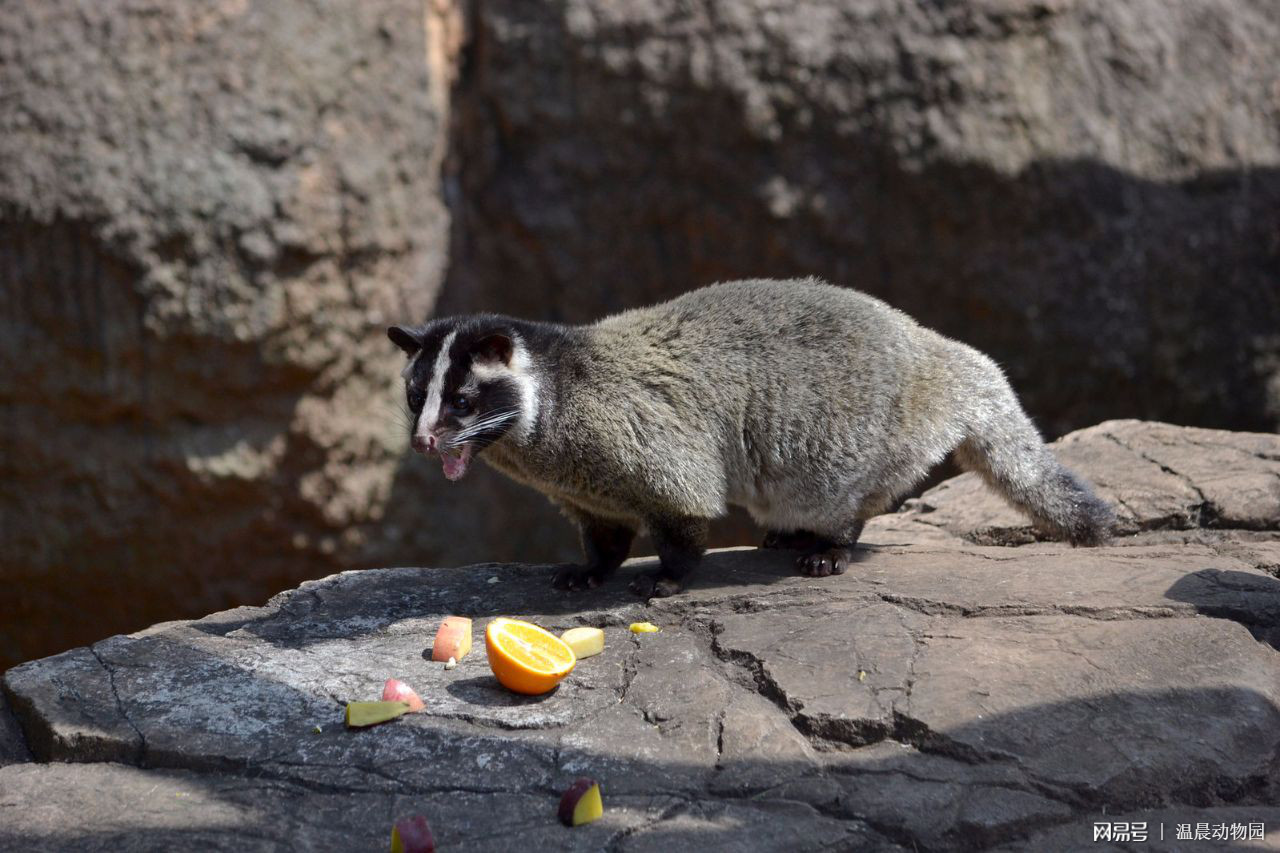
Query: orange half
[{"x": 526, "y": 658}]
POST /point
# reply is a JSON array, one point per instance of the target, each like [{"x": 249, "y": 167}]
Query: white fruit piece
[{"x": 585, "y": 642}]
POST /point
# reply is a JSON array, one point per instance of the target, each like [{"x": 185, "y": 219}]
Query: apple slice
[
  {"x": 581, "y": 803},
  {"x": 412, "y": 835},
  {"x": 585, "y": 642},
  {"x": 361, "y": 714},
  {"x": 397, "y": 691},
  {"x": 453, "y": 640}
]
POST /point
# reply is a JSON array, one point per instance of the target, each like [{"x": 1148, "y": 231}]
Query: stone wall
[
  {"x": 208, "y": 212},
  {"x": 1086, "y": 189}
]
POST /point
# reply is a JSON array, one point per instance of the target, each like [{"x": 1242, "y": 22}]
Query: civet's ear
[
  {"x": 495, "y": 347},
  {"x": 406, "y": 338}
]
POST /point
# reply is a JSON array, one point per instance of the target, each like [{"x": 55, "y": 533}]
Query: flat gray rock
[
  {"x": 1161, "y": 477},
  {"x": 947, "y": 693},
  {"x": 121, "y": 808}
]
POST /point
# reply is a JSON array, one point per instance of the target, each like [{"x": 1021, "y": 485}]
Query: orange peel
[{"x": 526, "y": 658}]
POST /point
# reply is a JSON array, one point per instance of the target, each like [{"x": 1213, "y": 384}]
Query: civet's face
[{"x": 467, "y": 383}]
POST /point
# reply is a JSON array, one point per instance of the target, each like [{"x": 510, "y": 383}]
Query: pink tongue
[{"x": 456, "y": 466}]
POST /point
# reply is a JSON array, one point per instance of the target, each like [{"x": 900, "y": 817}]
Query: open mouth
[{"x": 456, "y": 460}]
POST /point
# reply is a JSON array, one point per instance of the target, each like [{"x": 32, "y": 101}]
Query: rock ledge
[{"x": 955, "y": 691}]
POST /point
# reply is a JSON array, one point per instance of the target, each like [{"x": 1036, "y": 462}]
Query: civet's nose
[{"x": 424, "y": 444}]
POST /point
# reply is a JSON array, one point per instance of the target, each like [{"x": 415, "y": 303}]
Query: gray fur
[{"x": 812, "y": 406}]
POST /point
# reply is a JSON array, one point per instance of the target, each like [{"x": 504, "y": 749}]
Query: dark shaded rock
[
  {"x": 1084, "y": 190},
  {"x": 13, "y": 746},
  {"x": 207, "y": 214},
  {"x": 115, "y": 807},
  {"x": 942, "y": 695},
  {"x": 933, "y": 801}
]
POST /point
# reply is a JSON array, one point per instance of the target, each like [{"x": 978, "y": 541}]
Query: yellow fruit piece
[
  {"x": 361, "y": 714},
  {"x": 585, "y": 642},
  {"x": 644, "y": 628},
  {"x": 581, "y": 803},
  {"x": 453, "y": 640},
  {"x": 525, "y": 658}
]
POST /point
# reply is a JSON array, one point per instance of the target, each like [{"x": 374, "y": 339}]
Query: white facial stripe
[
  {"x": 527, "y": 382},
  {"x": 483, "y": 370},
  {"x": 518, "y": 371},
  {"x": 435, "y": 388}
]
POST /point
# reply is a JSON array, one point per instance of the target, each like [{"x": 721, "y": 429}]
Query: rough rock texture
[
  {"x": 943, "y": 695},
  {"x": 209, "y": 209},
  {"x": 1162, "y": 477},
  {"x": 13, "y": 747},
  {"x": 1084, "y": 188},
  {"x": 208, "y": 212}
]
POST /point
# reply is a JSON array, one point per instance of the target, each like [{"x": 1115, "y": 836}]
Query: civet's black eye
[
  {"x": 460, "y": 404},
  {"x": 416, "y": 399}
]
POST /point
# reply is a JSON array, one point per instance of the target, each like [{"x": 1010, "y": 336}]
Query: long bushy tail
[{"x": 1007, "y": 452}]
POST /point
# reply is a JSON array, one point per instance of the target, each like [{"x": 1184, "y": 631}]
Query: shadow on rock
[
  {"x": 485, "y": 690},
  {"x": 1252, "y": 599},
  {"x": 252, "y": 755},
  {"x": 354, "y": 604},
  {"x": 488, "y": 517}
]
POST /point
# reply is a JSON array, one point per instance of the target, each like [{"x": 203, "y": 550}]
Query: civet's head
[{"x": 468, "y": 383}]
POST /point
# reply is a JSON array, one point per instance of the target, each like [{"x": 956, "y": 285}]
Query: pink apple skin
[
  {"x": 397, "y": 691},
  {"x": 412, "y": 835}
]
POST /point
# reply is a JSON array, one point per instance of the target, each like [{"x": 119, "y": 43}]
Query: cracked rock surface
[{"x": 955, "y": 690}]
